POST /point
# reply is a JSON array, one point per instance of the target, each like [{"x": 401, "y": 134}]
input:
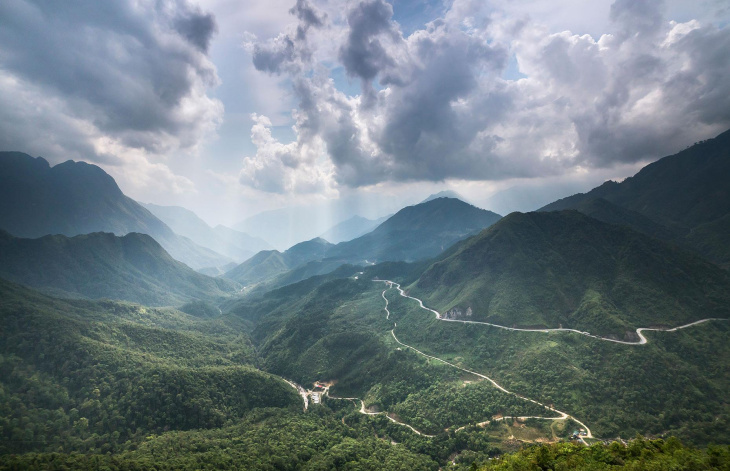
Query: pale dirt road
[
  {"x": 561, "y": 414},
  {"x": 642, "y": 340}
]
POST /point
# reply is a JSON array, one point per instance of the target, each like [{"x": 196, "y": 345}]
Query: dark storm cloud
[
  {"x": 364, "y": 54},
  {"x": 423, "y": 133},
  {"x": 308, "y": 17},
  {"x": 423, "y": 127},
  {"x": 685, "y": 88},
  {"x": 135, "y": 71},
  {"x": 707, "y": 49},
  {"x": 289, "y": 51},
  {"x": 197, "y": 27},
  {"x": 275, "y": 54}
]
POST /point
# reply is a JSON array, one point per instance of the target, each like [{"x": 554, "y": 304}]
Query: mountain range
[
  {"x": 75, "y": 198},
  {"x": 414, "y": 233},
  {"x": 209, "y": 383},
  {"x": 684, "y": 198},
  {"x": 566, "y": 269},
  {"x": 351, "y": 229},
  {"x": 234, "y": 244},
  {"x": 101, "y": 265}
]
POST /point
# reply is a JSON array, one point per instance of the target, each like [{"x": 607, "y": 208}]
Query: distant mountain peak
[
  {"x": 444, "y": 194},
  {"x": 79, "y": 198},
  {"x": 352, "y": 228}
]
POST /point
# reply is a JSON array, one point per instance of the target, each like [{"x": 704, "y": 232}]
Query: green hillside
[
  {"x": 158, "y": 369},
  {"x": 335, "y": 330},
  {"x": 78, "y": 198},
  {"x": 673, "y": 385},
  {"x": 267, "y": 264},
  {"x": 687, "y": 193},
  {"x": 101, "y": 265},
  {"x": 566, "y": 269},
  {"x": 605, "y": 211},
  {"x": 639, "y": 454},
  {"x": 416, "y": 232},
  {"x": 88, "y": 376}
]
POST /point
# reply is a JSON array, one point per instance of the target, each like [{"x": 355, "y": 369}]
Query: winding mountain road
[
  {"x": 561, "y": 414},
  {"x": 642, "y": 340},
  {"x": 366, "y": 412}
]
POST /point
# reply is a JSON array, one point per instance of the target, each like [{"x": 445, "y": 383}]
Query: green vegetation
[
  {"x": 200, "y": 309},
  {"x": 268, "y": 264},
  {"x": 673, "y": 385},
  {"x": 566, "y": 269},
  {"x": 338, "y": 331},
  {"x": 83, "y": 376},
  {"x": 683, "y": 197},
  {"x": 266, "y": 439},
  {"x": 417, "y": 232},
  {"x": 442, "y": 406},
  {"x": 639, "y": 454},
  {"x": 101, "y": 265},
  {"x": 122, "y": 386}
]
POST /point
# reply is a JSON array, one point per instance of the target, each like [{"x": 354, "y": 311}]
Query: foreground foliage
[
  {"x": 640, "y": 454},
  {"x": 85, "y": 376}
]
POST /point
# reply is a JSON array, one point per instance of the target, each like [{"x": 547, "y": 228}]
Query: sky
[{"x": 233, "y": 107}]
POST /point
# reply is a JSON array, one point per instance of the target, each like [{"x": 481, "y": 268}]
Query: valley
[{"x": 444, "y": 336}]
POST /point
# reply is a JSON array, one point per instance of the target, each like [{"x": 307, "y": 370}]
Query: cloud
[
  {"x": 197, "y": 27},
  {"x": 308, "y": 17},
  {"x": 278, "y": 168},
  {"x": 86, "y": 77},
  {"x": 639, "y": 18},
  {"x": 434, "y": 105},
  {"x": 289, "y": 51},
  {"x": 364, "y": 54}
]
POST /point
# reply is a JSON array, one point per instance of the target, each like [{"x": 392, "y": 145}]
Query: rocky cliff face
[{"x": 457, "y": 313}]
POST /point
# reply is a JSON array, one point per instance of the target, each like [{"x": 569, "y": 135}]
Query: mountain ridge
[
  {"x": 231, "y": 243},
  {"x": 417, "y": 232},
  {"x": 687, "y": 193},
  {"x": 133, "y": 267},
  {"x": 547, "y": 269},
  {"x": 74, "y": 198},
  {"x": 414, "y": 233},
  {"x": 351, "y": 228}
]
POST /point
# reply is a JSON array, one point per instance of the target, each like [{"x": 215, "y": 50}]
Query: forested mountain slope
[
  {"x": 687, "y": 193},
  {"x": 267, "y": 264},
  {"x": 416, "y": 232},
  {"x": 565, "y": 269},
  {"x": 101, "y": 265},
  {"x": 84, "y": 375},
  {"x": 78, "y": 198}
]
